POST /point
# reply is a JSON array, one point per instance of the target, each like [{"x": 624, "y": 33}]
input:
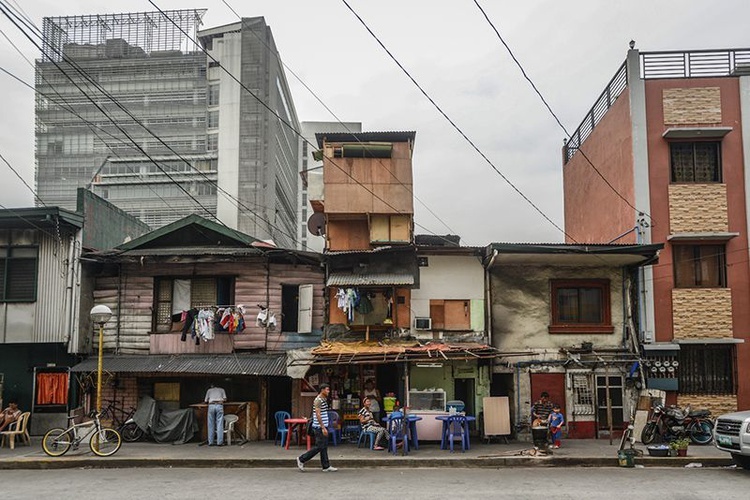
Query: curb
[{"x": 403, "y": 462}]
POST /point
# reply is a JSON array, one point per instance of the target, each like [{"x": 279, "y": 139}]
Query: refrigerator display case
[{"x": 427, "y": 400}]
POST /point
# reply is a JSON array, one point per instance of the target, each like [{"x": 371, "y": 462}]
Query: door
[
  {"x": 289, "y": 308},
  {"x": 552, "y": 383},
  {"x": 615, "y": 395},
  {"x": 305, "y": 309}
]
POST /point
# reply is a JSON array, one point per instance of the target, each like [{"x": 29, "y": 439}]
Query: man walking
[
  {"x": 215, "y": 397},
  {"x": 320, "y": 429}
]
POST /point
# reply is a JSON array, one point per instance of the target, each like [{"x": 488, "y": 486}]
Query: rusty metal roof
[
  {"x": 369, "y": 279},
  {"x": 214, "y": 364}
]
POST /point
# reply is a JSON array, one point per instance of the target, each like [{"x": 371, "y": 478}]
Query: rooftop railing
[
  {"x": 669, "y": 64},
  {"x": 695, "y": 63},
  {"x": 606, "y": 99}
]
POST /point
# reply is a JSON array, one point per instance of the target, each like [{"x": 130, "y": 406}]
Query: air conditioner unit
[{"x": 422, "y": 323}]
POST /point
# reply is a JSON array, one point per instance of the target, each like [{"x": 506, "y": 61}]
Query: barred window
[
  {"x": 707, "y": 369},
  {"x": 695, "y": 161}
]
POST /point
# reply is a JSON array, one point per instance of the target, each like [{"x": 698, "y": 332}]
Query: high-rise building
[
  {"x": 311, "y": 187},
  {"x": 130, "y": 106}
]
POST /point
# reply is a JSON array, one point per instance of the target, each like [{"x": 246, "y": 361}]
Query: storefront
[{"x": 423, "y": 377}]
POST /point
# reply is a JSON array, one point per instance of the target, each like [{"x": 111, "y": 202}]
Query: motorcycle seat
[{"x": 699, "y": 413}]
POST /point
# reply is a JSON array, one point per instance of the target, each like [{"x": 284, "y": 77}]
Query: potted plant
[{"x": 679, "y": 446}]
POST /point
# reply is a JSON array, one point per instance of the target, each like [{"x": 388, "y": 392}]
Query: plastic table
[
  {"x": 446, "y": 419},
  {"x": 301, "y": 425}
]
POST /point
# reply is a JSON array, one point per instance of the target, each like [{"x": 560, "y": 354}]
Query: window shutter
[
  {"x": 203, "y": 292},
  {"x": 22, "y": 280},
  {"x": 305, "y": 306}
]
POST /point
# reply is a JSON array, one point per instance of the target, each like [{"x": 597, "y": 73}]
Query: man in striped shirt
[{"x": 320, "y": 429}]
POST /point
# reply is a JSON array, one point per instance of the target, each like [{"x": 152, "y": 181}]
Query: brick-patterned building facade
[{"x": 668, "y": 135}]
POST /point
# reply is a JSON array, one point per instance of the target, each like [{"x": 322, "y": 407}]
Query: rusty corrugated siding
[{"x": 218, "y": 364}]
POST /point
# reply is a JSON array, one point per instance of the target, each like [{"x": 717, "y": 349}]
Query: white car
[{"x": 732, "y": 434}]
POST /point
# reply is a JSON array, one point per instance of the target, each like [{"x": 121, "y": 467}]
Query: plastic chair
[
  {"x": 363, "y": 435},
  {"x": 20, "y": 430},
  {"x": 281, "y": 427},
  {"x": 229, "y": 421},
  {"x": 333, "y": 426},
  {"x": 397, "y": 430},
  {"x": 457, "y": 425}
]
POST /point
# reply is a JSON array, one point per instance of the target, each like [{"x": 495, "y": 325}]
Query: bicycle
[
  {"x": 128, "y": 429},
  {"x": 103, "y": 442}
]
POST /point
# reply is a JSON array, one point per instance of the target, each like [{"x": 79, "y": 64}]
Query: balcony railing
[
  {"x": 606, "y": 99},
  {"x": 695, "y": 63}
]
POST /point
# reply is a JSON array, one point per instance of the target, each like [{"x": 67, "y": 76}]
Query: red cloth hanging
[{"x": 52, "y": 388}]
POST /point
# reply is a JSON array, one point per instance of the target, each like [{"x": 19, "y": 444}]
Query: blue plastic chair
[
  {"x": 457, "y": 425},
  {"x": 333, "y": 431},
  {"x": 281, "y": 427},
  {"x": 363, "y": 435},
  {"x": 397, "y": 430}
]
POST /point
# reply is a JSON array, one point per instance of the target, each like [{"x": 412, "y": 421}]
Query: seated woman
[
  {"x": 9, "y": 415},
  {"x": 370, "y": 425}
]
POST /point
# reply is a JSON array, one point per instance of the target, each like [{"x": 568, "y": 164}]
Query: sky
[{"x": 569, "y": 49}]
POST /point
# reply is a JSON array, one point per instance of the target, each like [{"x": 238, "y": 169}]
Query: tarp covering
[{"x": 174, "y": 426}]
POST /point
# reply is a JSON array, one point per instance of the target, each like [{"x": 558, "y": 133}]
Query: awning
[
  {"x": 211, "y": 364},
  {"x": 334, "y": 353},
  {"x": 369, "y": 279}
]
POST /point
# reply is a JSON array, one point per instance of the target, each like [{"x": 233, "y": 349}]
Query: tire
[
  {"x": 741, "y": 460},
  {"x": 56, "y": 442},
  {"x": 131, "y": 432},
  {"x": 701, "y": 432},
  {"x": 105, "y": 442},
  {"x": 648, "y": 434}
]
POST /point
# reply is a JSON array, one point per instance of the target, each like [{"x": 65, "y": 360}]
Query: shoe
[
  {"x": 378, "y": 448},
  {"x": 556, "y": 447},
  {"x": 330, "y": 469},
  {"x": 300, "y": 465}
]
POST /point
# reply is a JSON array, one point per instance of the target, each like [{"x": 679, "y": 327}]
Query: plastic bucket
[{"x": 626, "y": 458}]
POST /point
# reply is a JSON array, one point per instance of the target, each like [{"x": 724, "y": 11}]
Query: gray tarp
[{"x": 175, "y": 426}]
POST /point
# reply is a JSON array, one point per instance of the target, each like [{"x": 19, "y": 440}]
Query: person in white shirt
[{"x": 215, "y": 397}]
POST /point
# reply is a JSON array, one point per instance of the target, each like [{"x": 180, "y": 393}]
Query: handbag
[{"x": 309, "y": 427}]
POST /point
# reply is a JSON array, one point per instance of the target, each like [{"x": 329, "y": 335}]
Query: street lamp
[{"x": 100, "y": 314}]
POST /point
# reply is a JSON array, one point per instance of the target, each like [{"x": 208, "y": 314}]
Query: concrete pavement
[{"x": 574, "y": 453}]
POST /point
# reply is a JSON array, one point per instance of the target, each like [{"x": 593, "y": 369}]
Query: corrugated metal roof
[
  {"x": 348, "y": 279},
  {"x": 389, "y": 136},
  {"x": 215, "y": 364},
  {"x": 194, "y": 250}
]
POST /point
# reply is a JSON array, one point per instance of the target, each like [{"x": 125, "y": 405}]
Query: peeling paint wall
[{"x": 521, "y": 307}]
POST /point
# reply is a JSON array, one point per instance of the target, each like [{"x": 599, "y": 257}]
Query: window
[
  {"x": 18, "y": 274},
  {"x": 707, "y": 369},
  {"x": 699, "y": 266},
  {"x": 212, "y": 142},
  {"x": 580, "y": 306},
  {"x": 390, "y": 229},
  {"x": 174, "y": 295},
  {"x": 213, "y": 119},
  {"x": 364, "y": 150},
  {"x": 213, "y": 95},
  {"x": 695, "y": 161},
  {"x": 450, "y": 314}
]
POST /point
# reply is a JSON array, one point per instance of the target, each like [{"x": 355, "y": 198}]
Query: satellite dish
[{"x": 316, "y": 224}]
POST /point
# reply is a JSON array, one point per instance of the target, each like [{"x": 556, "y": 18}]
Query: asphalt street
[{"x": 516, "y": 483}]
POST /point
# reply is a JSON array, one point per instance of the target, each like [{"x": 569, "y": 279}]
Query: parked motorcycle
[{"x": 673, "y": 422}]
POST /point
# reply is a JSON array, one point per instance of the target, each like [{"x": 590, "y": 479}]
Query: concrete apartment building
[
  {"x": 130, "y": 107},
  {"x": 669, "y": 134}
]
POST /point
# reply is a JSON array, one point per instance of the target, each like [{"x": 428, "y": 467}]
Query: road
[{"x": 516, "y": 483}]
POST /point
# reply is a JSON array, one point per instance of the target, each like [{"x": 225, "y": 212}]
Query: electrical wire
[
  {"x": 554, "y": 115},
  {"x": 456, "y": 127}
]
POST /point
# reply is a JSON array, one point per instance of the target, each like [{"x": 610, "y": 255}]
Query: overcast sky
[{"x": 570, "y": 49}]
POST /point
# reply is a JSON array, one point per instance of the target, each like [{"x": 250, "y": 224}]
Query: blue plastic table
[{"x": 446, "y": 419}]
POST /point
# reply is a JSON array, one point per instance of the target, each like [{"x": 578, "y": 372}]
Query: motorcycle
[{"x": 672, "y": 423}]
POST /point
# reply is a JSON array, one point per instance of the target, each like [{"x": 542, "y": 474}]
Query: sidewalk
[{"x": 574, "y": 453}]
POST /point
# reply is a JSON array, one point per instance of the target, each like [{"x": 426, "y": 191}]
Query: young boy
[{"x": 556, "y": 421}]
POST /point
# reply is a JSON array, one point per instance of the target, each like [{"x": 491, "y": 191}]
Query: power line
[
  {"x": 22, "y": 180},
  {"x": 549, "y": 108},
  {"x": 335, "y": 116},
  {"x": 282, "y": 120},
  {"x": 456, "y": 127},
  {"x": 92, "y": 82}
]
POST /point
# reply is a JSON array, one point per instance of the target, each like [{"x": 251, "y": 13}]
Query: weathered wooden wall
[{"x": 129, "y": 329}]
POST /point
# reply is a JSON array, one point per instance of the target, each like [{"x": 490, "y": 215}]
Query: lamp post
[{"x": 100, "y": 314}]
